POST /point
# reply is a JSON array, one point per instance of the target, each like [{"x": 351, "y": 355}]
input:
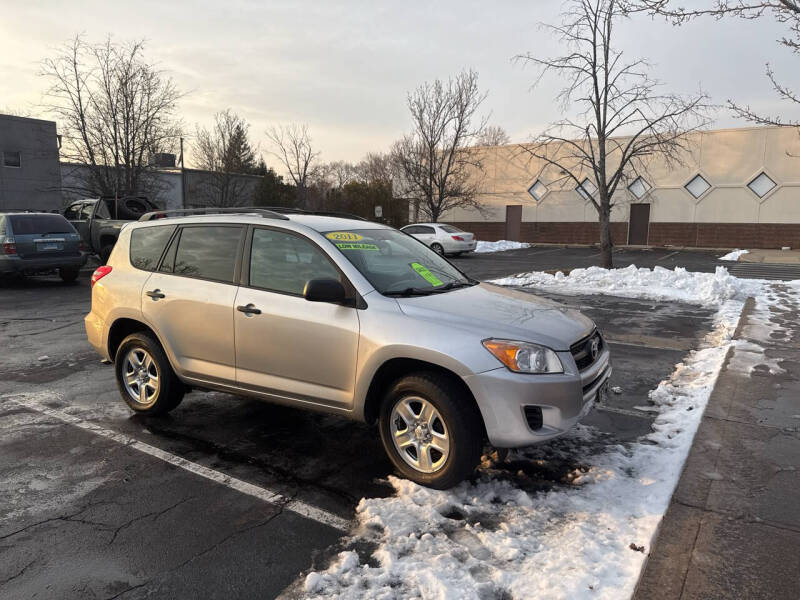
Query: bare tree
[
  {"x": 493, "y": 135},
  {"x": 784, "y": 11},
  {"x": 226, "y": 152},
  {"x": 623, "y": 120},
  {"x": 291, "y": 144},
  {"x": 115, "y": 110},
  {"x": 438, "y": 172}
]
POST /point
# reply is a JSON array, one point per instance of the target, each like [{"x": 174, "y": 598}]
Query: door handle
[
  {"x": 155, "y": 294},
  {"x": 250, "y": 309}
]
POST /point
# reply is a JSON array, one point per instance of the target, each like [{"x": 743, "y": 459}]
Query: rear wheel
[
  {"x": 436, "y": 247},
  {"x": 145, "y": 378},
  {"x": 68, "y": 274},
  {"x": 430, "y": 431}
]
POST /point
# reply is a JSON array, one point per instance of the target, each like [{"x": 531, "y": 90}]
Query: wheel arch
[
  {"x": 395, "y": 368},
  {"x": 122, "y": 328}
]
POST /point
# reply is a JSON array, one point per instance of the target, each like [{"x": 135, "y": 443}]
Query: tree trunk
[{"x": 606, "y": 245}]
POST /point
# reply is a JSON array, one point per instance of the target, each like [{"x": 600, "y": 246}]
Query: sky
[{"x": 345, "y": 67}]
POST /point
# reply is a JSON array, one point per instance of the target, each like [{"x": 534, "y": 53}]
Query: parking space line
[
  {"x": 668, "y": 255},
  {"x": 296, "y": 506}
]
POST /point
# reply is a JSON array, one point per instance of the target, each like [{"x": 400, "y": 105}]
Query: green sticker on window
[
  {"x": 356, "y": 246},
  {"x": 425, "y": 273}
]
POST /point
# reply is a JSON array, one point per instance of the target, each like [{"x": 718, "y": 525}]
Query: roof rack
[
  {"x": 188, "y": 212},
  {"x": 320, "y": 213}
]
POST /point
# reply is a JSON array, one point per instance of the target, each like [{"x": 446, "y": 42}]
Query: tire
[
  {"x": 105, "y": 252},
  {"x": 456, "y": 424},
  {"x": 68, "y": 274},
  {"x": 436, "y": 247},
  {"x": 156, "y": 395}
]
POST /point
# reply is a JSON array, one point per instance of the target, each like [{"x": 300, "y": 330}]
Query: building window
[
  {"x": 639, "y": 188},
  {"x": 586, "y": 189},
  {"x": 12, "y": 159},
  {"x": 698, "y": 186},
  {"x": 762, "y": 185},
  {"x": 537, "y": 190}
]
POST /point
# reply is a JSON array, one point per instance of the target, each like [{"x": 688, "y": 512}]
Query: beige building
[{"x": 732, "y": 188}]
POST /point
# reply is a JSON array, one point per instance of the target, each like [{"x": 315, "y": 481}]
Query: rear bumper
[
  {"x": 17, "y": 264},
  {"x": 95, "y": 333},
  {"x": 455, "y": 246},
  {"x": 563, "y": 400}
]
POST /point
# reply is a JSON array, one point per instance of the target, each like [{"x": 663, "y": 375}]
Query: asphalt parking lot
[{"x": 99, "y": 505}]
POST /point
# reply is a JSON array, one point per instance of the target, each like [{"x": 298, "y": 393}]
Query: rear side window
[
  {"x": 208, "y": 252},
  {"x": 451, "y": 229},
  {"x": 39, "y": 224},
  {"x": 147, "y": 244}
]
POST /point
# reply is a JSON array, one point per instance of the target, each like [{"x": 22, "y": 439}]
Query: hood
[{"x": 500, "y": 312}]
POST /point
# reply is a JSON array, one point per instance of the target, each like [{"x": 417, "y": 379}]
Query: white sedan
[{"x": 442, "y": 238}]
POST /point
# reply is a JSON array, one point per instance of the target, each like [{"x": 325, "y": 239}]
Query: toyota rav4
[{"x": 344, "y": 316}]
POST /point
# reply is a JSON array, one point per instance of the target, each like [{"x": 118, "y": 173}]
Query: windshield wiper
[
  {"x": 410, "y": 292},
  {"x": 428, "y": 291}
]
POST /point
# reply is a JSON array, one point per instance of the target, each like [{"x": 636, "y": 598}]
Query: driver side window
[{"x": 282, "y": 262}]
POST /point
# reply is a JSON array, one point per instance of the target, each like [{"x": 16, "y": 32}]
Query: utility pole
[{"x": 183, "y": 179}]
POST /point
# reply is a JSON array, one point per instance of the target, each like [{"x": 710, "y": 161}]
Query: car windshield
[{"x": 396, "y": 264}]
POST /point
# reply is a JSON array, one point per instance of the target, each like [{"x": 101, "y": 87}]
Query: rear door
[
  {"x": 189, "y": 300},
  {"x": 43, "y": 235},
  {"x": 291, "y": 347}
]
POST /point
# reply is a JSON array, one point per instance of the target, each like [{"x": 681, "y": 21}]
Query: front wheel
[
  {"x": 145, "y": 378},
  {"x": 438, "y": 248},
  {"x": 430, "y": 430}
]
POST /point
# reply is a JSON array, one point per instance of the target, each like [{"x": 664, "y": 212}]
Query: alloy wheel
[{"x": 419, "y": 434}]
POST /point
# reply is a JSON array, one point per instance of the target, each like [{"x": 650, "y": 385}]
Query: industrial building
[
  {"x": 30, "y": 177},
  {"x": 729, "y": 188}
]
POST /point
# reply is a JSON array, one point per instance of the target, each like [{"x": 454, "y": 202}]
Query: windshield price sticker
[
  {"x": 425, "y": 273},
  {"x": 356, "y": 246},
  {"x": 344, "y": 236}
]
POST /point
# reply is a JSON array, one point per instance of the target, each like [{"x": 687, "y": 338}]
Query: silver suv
[{"x": 348, "y": 317}]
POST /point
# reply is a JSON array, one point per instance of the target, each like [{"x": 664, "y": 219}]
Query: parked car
[
  {"x": 442, "y": 238},
  {"x": 99, "y": 220},
  {"x": 36, "y": 243},
  {"x": 348, "y": 317}
]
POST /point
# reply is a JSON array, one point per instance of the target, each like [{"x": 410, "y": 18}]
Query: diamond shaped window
[
  {"x": 586, "y": 189},
  {"x": 537, "y": 190},
  {"x": 639, "y": 188},
  {"x": 698, "y": 186},
  {"x": 762, "y": 185}
]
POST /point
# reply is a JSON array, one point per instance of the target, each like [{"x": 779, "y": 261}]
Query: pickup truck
[{"x": 99, "y": 220}]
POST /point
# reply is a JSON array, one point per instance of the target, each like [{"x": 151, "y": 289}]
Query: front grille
[
  {"x": 533, "y": 415},
  {"x": 581, "y": 351}
]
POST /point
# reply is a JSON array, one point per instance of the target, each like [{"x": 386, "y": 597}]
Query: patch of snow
[
  {"x": 585, "y": 537},
  {"x": 747, "y": 356},
  {"x": 501, "y": 246},
  {"x": 734, "y": 255},
  {"x": 705, "y": 289}
]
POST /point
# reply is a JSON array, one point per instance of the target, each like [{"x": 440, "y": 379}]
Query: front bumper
[
  {"x": 564, "y": 399},
  {"x": 17, "y": 264}
]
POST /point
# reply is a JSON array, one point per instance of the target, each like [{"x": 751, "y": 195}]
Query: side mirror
[{"x": 324, "y": 290}]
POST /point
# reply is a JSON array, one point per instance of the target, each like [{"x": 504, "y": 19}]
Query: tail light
[
  {"x": 99, "y": 273},
  {"x": 9, "y": 247},
  {"x": 83, "y": 247},
  {"x": 458, "y": 238}
]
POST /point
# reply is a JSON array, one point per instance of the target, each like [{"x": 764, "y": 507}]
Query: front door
[
  {"x": 190, "y": 300},
  {"x": 285, "y": 345},
  {"x": 639, "y": 224}
]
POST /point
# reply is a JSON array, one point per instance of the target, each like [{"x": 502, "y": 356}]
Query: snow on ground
[
  {"x": 587, "y": 536},
  {"x": 734, "y": 255},
  {"x": 500, "y": 246}
]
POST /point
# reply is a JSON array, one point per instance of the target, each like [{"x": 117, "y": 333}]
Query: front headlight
[{"x": 524, "y": 357}]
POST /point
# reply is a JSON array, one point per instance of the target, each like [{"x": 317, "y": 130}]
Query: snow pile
[
  {"x": 706, "y": 289},
  {"x": 500, "y": 246},
  {"x": 587, "y": 536},
  {"x": 734, "y": 255}
]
